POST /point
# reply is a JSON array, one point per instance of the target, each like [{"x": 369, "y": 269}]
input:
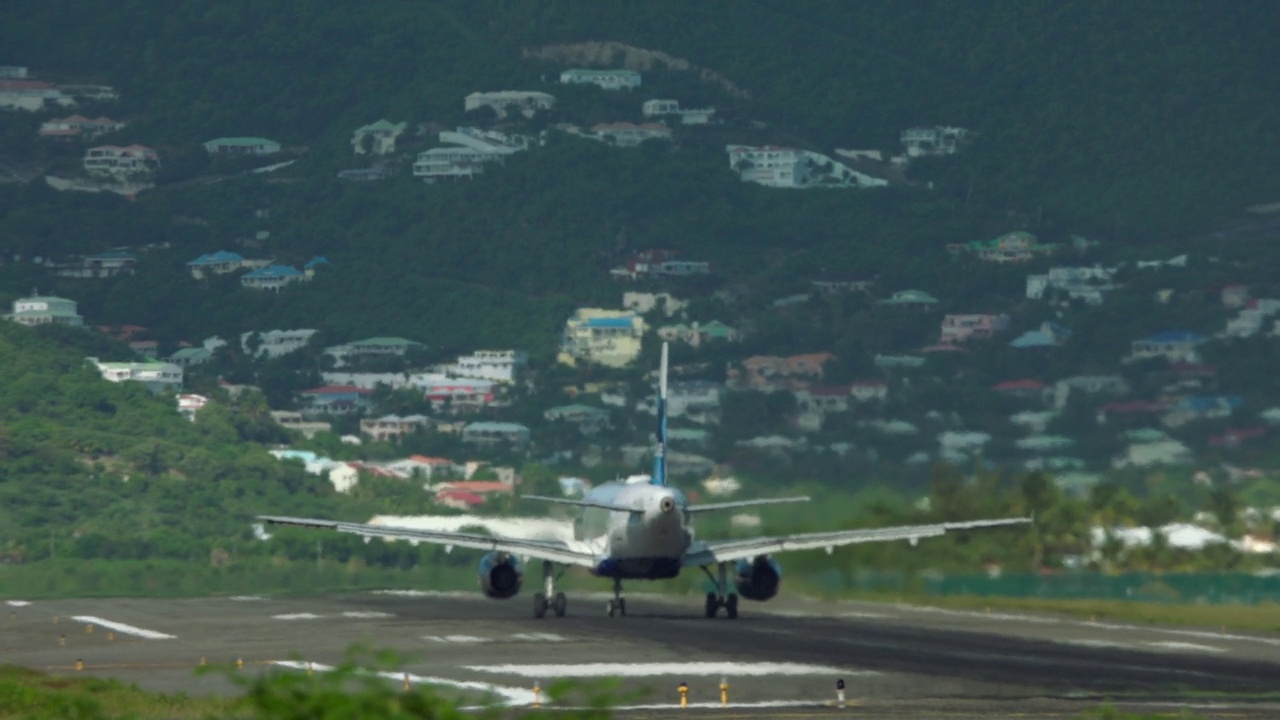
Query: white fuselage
[{"x": 649, "y": 541}]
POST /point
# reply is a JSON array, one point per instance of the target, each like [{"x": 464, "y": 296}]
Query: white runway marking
[
  {"x": 246, "y": 598},
  {"x": 727, "y": 669},
  {"x": 455, "y": 594},
  {"x": 510, "y": 695},
  {"x": 122, "y": 628},
  {"x": 18, "y": 603},
  {"x": 523, "y": 637},
  {"x": 538, "y": 637},
  {"x": 366, "y": 614},
  {"x": 471, "y": 639},
  {"x": 297, "y": 616},
  {"x": 1173, "y": 645}
]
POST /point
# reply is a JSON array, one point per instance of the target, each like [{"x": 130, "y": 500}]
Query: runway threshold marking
[
  {"x": 727, "y": 669},
  {"x": 512, "y": 696},
  {"x": 123, "y": 628}
]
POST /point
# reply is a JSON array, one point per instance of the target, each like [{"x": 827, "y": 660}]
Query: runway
[{"x": 779, "y": 659}]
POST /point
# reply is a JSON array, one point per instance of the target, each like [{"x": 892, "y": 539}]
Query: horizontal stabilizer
[
  {"x": 733, "y": 505},
  {"x": 581, "y": 503}
]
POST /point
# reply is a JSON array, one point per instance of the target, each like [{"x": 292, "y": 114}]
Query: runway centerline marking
[
  {"x": 511, "y": 695},
  {"x": 727, "y": 669},
  {"x": 123, "y": 628},
  {"x": 296, "y": 616},
  {"x": 17, "y": 603}
]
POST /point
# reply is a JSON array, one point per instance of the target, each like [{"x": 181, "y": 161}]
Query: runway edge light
[{"x": 684, "y": 694}]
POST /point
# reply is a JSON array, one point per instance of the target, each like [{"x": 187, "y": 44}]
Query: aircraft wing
[
  {"x": 715, "y": 551},
  {"x": 734, "y": 504},
  {"x": 553, "y": 550}
]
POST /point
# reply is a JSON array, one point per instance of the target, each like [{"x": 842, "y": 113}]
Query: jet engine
[
  {"x": 757, "y": 578},
  {"x": 500, "y": 575}
]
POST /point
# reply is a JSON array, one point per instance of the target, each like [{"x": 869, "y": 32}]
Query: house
[
  {"x": 470, "y": 149},
  {"x": 1089, "y": 384},
  {"x": 14, "y": 72},
  {"x": 503, "y": 366},
  {"x": 1076, "y": 283},
  {"x": 625, "y": 134},
  {"x": 1050, "y": 334},
  {"x": 824, "y": 399},
  {"x": 234, "y": 146},
  {"x": 963, "y": 328},
  {"x": 1025, "y": 388},
  {"x": 45, "y": 310},
  {"x": 832, "y": 284},
  {"x": 455, "y": 394},
  {"x": 158, "y": 377},
  {"x": 525, "y": 101},
  {"x": 910, "y": 299},
  {"x": 934, "y": 140},
  {"x": 221, "y": 262},
  {"x": 1147, "y": 454},
  {"x": 661, "y": 263},
  {"x": 490, "y": 434},
  {"x": 658, "y": 108},
  {"x": 293, "y": 420},
  {"x": 768, "y": 372},
  {"x": 190, "y": 357},
  {"x": 115, "y": 161},
  {"x": 1252, "y": 317},
  {"x": 274, "y": 343},
  {"x": 368, "y": 380},
  {"x": 1041, "y": 443},
  {"x": 890, "y": 362},
  {"x": 1235, "y": 437},
  {"x": 1172, "y": 345},
  {"x": 390, "y": 428},
  {"x": 372, "y": 347},
  {"x": 589, "y": 420},
  {"x": 694, "y": 400},
  {"x": 103, "y": 265},
  {"x": 769, "y": 165},
  {"x": 1017, "y": 246},
  {"x": 869, "y": 390},
  {"x": 378, "y": 138},
  {"x": 189, "y": 404},
  {"x": 605, "y": 337},
  {"x": 335, "y": 400},
  {"x": 146, "y": 348},
  {"x": 1197, "y": 407},
  {"x": 644, "y": 302},
  {"x": 425, "y": 468},
  {"x": 696, "y": 334},
  {"x": 1131, "y": 408},
  {"x": 30, "y": 95},
  {"x": 271, "y": 277},
  {"x": 78, "y": 126},
  {"x": 1234, "y": 296},
  {"x": 606, "y": 79}
]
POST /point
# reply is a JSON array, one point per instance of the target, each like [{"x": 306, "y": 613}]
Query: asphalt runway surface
[{"x": 779, "y": 659}]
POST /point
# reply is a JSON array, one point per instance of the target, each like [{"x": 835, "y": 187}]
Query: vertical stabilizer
[{"x": 660, "y": 453}]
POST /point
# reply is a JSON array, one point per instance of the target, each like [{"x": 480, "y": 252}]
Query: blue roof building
[{"x": 271, "y": 277}]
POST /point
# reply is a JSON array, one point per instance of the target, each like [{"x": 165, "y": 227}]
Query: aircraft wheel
[
  {"x": 559, "y": 604},
  {"x": 731, "y": 606},
  {"x": 539, "y": 605},
  {"x": 713, "y": 604},
  {"x": 622, "y": 607},
  {"x": 612, "y": 608}
]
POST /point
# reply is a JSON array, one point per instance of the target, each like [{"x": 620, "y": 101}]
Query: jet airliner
[{"x": 642, "y": 531}]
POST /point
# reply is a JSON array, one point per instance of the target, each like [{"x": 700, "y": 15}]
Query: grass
[{"x": 30, "y": 694}]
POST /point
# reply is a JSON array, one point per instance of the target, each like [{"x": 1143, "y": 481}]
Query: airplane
[{"x": 642, "y": 531}]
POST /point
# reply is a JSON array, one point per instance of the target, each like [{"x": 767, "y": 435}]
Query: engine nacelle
[
  {"x": 757, "y": 578},
  {"x": 500, "y": 575}
]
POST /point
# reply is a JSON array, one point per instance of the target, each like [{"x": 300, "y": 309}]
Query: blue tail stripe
[{"x": 660, "y": 455}]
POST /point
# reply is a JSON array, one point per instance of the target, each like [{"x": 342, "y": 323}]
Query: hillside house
[
  {"x": 625, "y": 134},
  {"x": 391, "y": 428},
  {"x": 696, "y": 334},
  {"x": 690, "y": 116},
  {"x": 158, "y": 377},
  {"x": 933, "y": 140},
  {"x": 272, "y": 277},
  {"x": 769, "y": 165},
  {"x": 220, "y": 263},
  {"x": 191, "y": 356},
  {"x": 958, "y": 329},
  {"x": 293, "y": 420},
  {"x": 45, "y": 310},
  {"x": 1075, "y": 283},
  {"x": 378, "y": 138},
  {"x": 335, "y": 400},
  {"x": 1148, "y": 454},
  {"x": 31, "y": 95},
  {"x": 368, "y": 380},
  {"x": 468, "y": 151},
  {"x": 824, "y": 399},
  {"x": 232, "y": 146},
  {"x": 1172, "y": 345},
  {"x": 768, "y": 372},
  {"x": 14, "y": 72},
  {"x": 1016, "y": 246},
  {"x": 1088, "y": 384},
  {"x": 1234, "y": 296},
  {"x": 525, "y": 102},
  {"x": 910, "y": 299},
  {"x": 1252, "y": 317},
  {"x": 489, "y": 434},
  {"x": 869, "y": 390},
  {"x": 694, "y": 400},
  {"x": 832, "y": 285},
  {"x": 421, "y": 467},
  {"x": 78, "y": 126},
  {"x": 455, "y": 395},
  {"x": 503, "y": 366},
  {"x": 274, "y": 343},
  {"x": 103, "y": 265},
  {"x": 645, "y": 302},
  {"x": 189, "y": 404},
  {"x": 605, "y": 79},
  {"x": 1200, "y": 407},
  {"x": 1025, "y": 388},
  {"x": 605, "y": 337},
  {"x": 115, "y": 161},
  {"x": 1050, "y": 334},
  {"x": 372, "y": 347},
  {"x": 589, "y": 420}
]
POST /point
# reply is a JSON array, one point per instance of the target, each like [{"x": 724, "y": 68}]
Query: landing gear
[
  {"x": 618, "y": 605},
  {"x": 719, "y": 598},
  {"x": 549, "y": 599}
]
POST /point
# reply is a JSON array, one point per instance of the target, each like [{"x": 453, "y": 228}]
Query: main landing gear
[
  {"x": 721, "y": 598},
  {"x": 618, "y": 605},
  {"x": 549, "y": 599}
]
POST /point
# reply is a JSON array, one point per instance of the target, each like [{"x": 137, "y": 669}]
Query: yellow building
[{"x": 606, "y": 337}]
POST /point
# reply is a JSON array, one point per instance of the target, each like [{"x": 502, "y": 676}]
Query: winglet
[{"x": 660, "y": 453}]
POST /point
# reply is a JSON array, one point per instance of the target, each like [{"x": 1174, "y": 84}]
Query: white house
[
  {"x": 525, "y": 101},
  {"x": 625, "y": 134},
  {"x": 469, "y": 151},
  {"x": 242, "y": 146},
  {"x": 1173, "y": 345},
  {"x": 381, "y": 137},
  {"x": 769, "y": 165},
  {"x": 495, "y": 433},
  {"x": 274, "y": 343},
  {"x": 502, "y": 366},
  {"x": 606, "y": 79},
  {"x": 78, "y": 126},
  {"x": 30, "y": 95},
  {"x": 115, "y": 161},
  {"x": 643, "y": 302},
  {"x": 1076, "y": 283},
  {"x": 156, "y": 376},
  {"x": 690, "y": 116},
  {"x": 45, "y": 310},
  {"x": 936, "y": 140},
  {"x": 272, "y": 277}
]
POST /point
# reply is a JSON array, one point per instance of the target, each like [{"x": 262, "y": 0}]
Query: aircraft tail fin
[{"x": 659, "y": 476}]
